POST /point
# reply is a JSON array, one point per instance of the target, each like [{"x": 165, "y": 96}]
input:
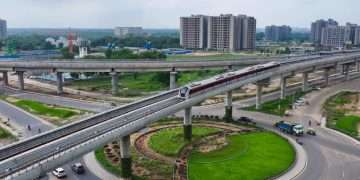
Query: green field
[
  {"x": 349, "y": 125},
  {"x": 339, "y": 117},
  {"x": 253, "y": 156},
  {"x": 129, "y": 84},
  {"x": 5, "y": 134},
  {"x": 51, "y": 112},
  {"x": 277, "y": 107},
  {"x": 169, "y": 142},
  {"x": 137, "y": 84}
]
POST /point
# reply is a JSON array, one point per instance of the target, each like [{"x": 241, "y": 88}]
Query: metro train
[{"x": 226, "y": 78}]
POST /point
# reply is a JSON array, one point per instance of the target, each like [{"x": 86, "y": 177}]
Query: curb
[
  {"x": 355, "y": 141},
  {"x": 29, "y": 114},
  {"x": 293, "y": 171}
]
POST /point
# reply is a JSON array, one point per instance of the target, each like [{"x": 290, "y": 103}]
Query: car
[
  {"x": 311, "y": 131},
  {"x": 78, "y": 168},
  {"x": 59, "y": 173},
  {"x": 246, "y": 120}
]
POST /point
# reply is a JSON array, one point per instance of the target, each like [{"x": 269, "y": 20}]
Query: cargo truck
[{"x": 294, "y": 129}]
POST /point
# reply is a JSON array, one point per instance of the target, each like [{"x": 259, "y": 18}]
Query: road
[
  {"x": 20, "y": 119},
  {"x": 331, "y": 156}
]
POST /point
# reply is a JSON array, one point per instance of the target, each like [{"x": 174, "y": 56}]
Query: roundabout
[{"x": 217, "y": 150}]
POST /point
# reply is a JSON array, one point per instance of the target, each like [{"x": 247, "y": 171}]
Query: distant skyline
[{"x": 165, "y": 14}]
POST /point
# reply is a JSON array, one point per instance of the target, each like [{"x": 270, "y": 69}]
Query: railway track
[{"x": 52, "y": 135}]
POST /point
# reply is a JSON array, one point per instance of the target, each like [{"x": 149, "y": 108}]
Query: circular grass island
[
  {"x": 217, "y": 150},
  {"x": 255, "y": 155}
]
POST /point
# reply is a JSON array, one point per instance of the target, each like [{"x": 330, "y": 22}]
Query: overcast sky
[{"x": 166, "y": 13}]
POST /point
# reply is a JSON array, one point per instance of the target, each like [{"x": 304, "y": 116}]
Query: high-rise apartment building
[
  {"x": 193, "y": 32},
  {"x": 221, "y": 32},
  {"x": 350, "y": 33},
  {"x": 333, "y": 36},
  {"x": 357, "y": 36},
  {"x": 277, "y": 33},
  {"x": 3, "y": 29},
  {"x": 231, "y": 33},
  {"x": 248, "y": 33},
  {"x": 224, "y": 32},
  {"x": 317, "y": 28},
  {"x": 122, "y": 32}
]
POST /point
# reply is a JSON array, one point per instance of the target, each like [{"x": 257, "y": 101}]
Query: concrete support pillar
[
  {"x": 59, "y": 81},
  {"x": 125, "y": 154},
  {"x": 346, "y": 72},
  {"x": 228, "y": 107},
  {"x": 283, "y": 87},
  {"x": 21, "y": 84},
  {"x": 187, "y": 124},
  {"x": 259, "y": 87},
  {"x": 173, "y": 79},
  {"x": 305, "y": 81},
  {"x": 357, "y": 66},
  {"x": 114, "y": 83},
  {"x": 326, "y": 76},
  {"x": 5, "y": 78}
]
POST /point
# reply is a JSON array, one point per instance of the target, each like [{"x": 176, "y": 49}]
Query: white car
[{"x": 59, "y": 173}]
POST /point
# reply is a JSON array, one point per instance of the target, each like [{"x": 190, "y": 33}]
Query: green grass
[
  {"x": 169, "y": 142},
  {"x": 101, "y": 158},
  {"x": 45, "y": 110},
  {"x": 349, "y": 124},
  {"x": 5, "y": 134},
  {"x": 339, "y": 118},
  {"x": 151, "y": 165},
  {"x": 187, "y": 77},
  {"x": 136, "y": 84},
  {"x": 277, "y": 107},
  {"x": 129, "y": 84},
  {"x": 253, "y": 156}
]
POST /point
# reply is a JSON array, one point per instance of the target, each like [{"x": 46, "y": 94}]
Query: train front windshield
[{"x": 183, "y": 91}]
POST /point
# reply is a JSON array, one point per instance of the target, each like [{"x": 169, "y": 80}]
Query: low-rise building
[{"x": 123, "y": 32}]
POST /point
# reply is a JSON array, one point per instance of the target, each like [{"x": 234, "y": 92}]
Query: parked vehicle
[
  {"x": 295, "y": 129},
  {"x": 311, "y": 131},
  {"x": 78, "y": 168},
  {"x": 59, "y": 173}
]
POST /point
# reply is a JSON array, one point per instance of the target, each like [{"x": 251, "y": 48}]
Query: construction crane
[{"x": 71, "y": 37}]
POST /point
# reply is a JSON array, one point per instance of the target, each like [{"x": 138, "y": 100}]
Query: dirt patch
[{"x": 217, "y": 143}]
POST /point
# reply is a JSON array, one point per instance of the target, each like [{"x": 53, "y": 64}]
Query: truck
[{"x": 294, "y": 129}]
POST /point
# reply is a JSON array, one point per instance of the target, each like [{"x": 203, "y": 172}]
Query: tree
[
  {"x": 89, "y": 74},
  {"x": 75, "y": 75},
  {"x": 108, "y": 53},
  {"x": 49, "y": 46},
  {"x": 66, "y": 54},
  {"x": 162, "y": 77}
]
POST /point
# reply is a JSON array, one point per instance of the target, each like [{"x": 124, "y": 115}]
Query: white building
[
  {"x": 223, "y": 33},
  {"x": 333, "y": 36},
  {"x": 122, "y": 32},
  {"x": 193, "y": 32}
]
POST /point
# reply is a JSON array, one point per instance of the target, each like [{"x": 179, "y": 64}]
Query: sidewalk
[{"x": 93, "y": 165}]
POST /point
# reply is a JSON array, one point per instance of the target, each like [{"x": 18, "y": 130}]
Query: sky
[{"x": 166, "y": 13}]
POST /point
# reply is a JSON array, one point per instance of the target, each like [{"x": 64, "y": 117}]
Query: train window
[{"x": 195, "y": 84}]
